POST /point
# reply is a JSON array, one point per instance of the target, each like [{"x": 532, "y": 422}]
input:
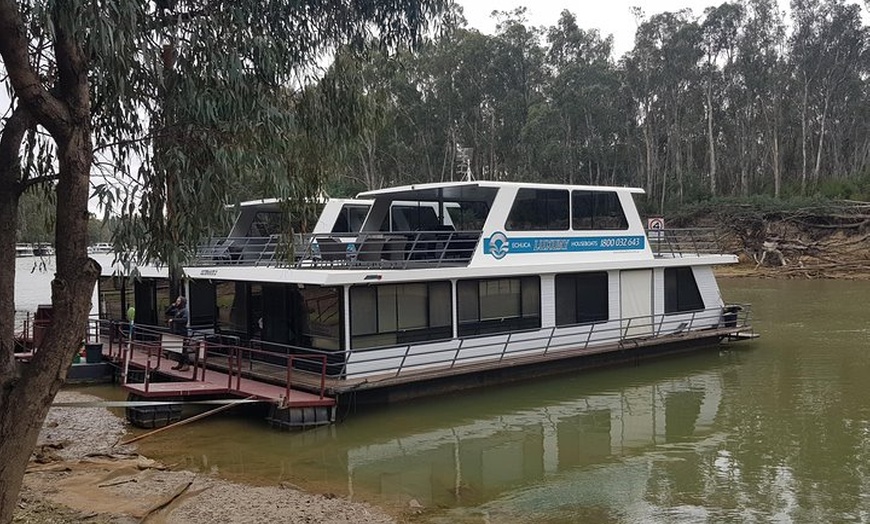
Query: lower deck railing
[
  {"x": 207, "y": 355},
  {"x": 616, "y": 334},
  {"x": 276, "y": 363}
]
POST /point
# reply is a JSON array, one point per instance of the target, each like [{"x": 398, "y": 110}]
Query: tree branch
[
  {"x": 10, "y": 144},
  {"x": 45, "y": 108},
  {"x": 30, "y": 182},
  {"x": 72, "y": 64}
]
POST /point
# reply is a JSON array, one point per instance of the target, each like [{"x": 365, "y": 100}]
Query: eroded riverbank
[{"x": 79, "y": 473}]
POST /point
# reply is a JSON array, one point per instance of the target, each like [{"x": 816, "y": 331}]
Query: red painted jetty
[{"x": 201, "y": 380}]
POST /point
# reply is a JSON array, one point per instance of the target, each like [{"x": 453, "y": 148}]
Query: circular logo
[{"x": 498, "y": 245}]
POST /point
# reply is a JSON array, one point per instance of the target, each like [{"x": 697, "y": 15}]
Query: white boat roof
[
  {"x": 274, "y": 202},
  {"x": 461, "y": 190}
]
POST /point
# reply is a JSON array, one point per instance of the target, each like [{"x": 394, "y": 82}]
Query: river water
[{"x": 772, "y": 430}]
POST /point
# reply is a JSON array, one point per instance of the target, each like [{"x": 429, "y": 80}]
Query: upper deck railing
[
  {"x": 681, "y": 243},
  {"x": 403, "y": 250},
  {"x": 399, "y": 250}
]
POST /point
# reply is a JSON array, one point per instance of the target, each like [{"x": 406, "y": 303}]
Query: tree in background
[
  {"x": 731, "y": 102},
  {"x": 181, "y": 101}
]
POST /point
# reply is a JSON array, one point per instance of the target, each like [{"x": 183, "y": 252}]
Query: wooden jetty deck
[{"x": 202, "y": 380}]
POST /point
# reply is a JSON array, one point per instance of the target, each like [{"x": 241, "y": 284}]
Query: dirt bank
[
  {"x": 79, "y": 474},
  {"x": 830, "y": 240}
]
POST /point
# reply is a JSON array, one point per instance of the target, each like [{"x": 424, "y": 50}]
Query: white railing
[
  {"x": 680, "y": 243},
  {"x": 627, "y": 332},
  {"x": 399, "y": 250}
]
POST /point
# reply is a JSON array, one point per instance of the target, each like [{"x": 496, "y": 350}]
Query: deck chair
[
  {"x": 371, "y": 249},
  {"x": 331, "y": 249}
]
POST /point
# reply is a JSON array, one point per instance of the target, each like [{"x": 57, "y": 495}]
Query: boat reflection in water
[
  {"x": 577, "y": 452},
  {"x": 608, "y": 440}
]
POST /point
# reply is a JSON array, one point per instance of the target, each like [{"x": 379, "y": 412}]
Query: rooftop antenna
[{"x": 463, "y": 163}]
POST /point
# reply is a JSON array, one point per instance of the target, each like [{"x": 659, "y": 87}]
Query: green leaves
[{"x": 199, "y": 103}]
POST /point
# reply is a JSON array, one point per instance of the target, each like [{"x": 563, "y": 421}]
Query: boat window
[
  {"x": 539, "y": 210},
  {"x": 599, "y": 210},
  {"x": 468, "y": 216},
  {"x": 232, "y": 305},
  {"x": 392, "y": 314},
  {"x": 151, "y": 298},
  {"x": 265, "y": 223},
  {"x": 201, "y": 304},
  {"x": 350, "y": 219},
  {"x": 581, "y": 298},
  {"x": 275, "y": 315},
  {"x": 681, "y": 291},
  {"x": 498, "y": 305},
  {"x": 316, "y": 316},
  {"x": 414, "y": 218}
]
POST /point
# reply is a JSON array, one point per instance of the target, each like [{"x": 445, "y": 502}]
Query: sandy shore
[{"x": 78, "y": 473}]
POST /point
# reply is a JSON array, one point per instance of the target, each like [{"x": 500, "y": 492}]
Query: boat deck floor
[{"x": 199, "y": 381}]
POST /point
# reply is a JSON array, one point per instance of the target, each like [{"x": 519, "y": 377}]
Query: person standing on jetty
[{"x": 178, "y": 325}]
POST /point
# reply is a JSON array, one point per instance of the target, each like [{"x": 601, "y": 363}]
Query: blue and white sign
[{"x": 499, "y": 245}]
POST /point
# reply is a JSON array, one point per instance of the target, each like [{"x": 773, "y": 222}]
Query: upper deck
[{"x": 469, "y": 224}]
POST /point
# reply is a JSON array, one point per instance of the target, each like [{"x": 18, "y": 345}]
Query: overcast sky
[{"x": 608, "y": 16}]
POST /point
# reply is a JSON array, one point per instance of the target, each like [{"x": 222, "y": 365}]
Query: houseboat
[
  {"x": 43, "y": 249},
  {"x": 23, "y": 250},
  {"x": 465, "y": 284},
  {"x": 100, "y": 248}
]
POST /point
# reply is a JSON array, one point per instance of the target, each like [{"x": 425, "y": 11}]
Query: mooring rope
[
  {"x": 181, "y": 422},
  {"x": 141, "y": 403}
]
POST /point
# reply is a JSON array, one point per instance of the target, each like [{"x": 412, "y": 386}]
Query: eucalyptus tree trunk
[
  {"x": 822, "y": 130},
  {"x": 10, "y": 193},
  {"x": 804, "y": 137},
  {"x": 26, "y": 396},
  {"x": 777, "y": 171},
  {"x": 710, "y": 139}
]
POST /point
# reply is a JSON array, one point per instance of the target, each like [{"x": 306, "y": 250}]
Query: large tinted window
[
  {"x": 350, "y": 219},
  {"x": 202, "y": 305},
  {"x": 151, "y": 301},
  {"x": 539, "y": 210},
  {"x": 318, "y": 316},
  {"x": 598, "y": 210},
  {"x": 392, "y": 314},
  {"x": 681, "y": 291},
  {"x": 414, "y": 218},
  {"x": 231, "y": 299},
  {"x": 581, "y": 298},
  {"x": 266, "y": 223},
  {"x": 468, "y": 216},
  {"x": 498, "y": 305}
]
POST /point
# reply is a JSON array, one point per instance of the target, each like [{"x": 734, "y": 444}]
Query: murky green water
[{"x": 773, "y": 430}]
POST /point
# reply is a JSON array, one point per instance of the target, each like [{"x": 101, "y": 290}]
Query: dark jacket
[{"x": 179, "y": 321}]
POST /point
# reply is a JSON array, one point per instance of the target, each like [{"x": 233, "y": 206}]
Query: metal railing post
[
  {"x": 322, "y": 376},
  {"x": 589, "y": 337}
]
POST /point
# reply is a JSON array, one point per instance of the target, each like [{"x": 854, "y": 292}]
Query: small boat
[
  {"x": 24, "y": 250},
  {"x": 100, "y": 248},
  {"x": 43, "y": 249}
]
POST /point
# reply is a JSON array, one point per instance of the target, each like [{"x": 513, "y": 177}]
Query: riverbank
[
  {"x": 833, "y": 271},
  {"x": 79, "y": 473}
]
